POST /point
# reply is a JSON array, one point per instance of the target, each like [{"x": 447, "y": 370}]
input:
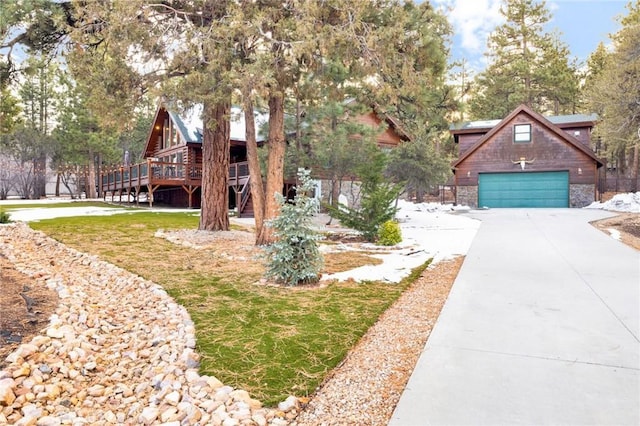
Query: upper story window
[{"x": 522, "y": 133}]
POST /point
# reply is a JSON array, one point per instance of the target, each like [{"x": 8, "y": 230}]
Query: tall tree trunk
[
  {"x": 58, "y": 184},
  {"x": 636, "y": 165},
  {"x": 41, "y": 177},
  {"x": 214, "y": 214},
  {"x": 275, "y": 163},
  {"x": 98, "y": 173},
  {"x": 91, "y": 191},
  {"x": 257, "y": 189}
]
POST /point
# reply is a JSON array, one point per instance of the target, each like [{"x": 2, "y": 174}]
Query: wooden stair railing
[{"x": 243, "y": 197}]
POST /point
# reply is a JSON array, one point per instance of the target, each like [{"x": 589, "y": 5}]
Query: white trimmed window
[{"x": 522, "y": 133}]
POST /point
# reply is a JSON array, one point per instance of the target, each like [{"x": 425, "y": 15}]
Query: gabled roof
[
  {"x": 190, "y": 124},
  {"x": 562, "y": 121},
  {"x": 562, "y": 135},
  {"x": 392, "y": 121},
  {"x": 572, "y": 120},
  {"x": 473, "y": 125}
]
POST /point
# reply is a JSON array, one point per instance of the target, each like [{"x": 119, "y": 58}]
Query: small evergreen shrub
[
  {"x": 377, "y": 203},
  {"x": 294, "y": 258},
  {"x": 4, "y": 217},
  {"x": 389, "y": 233}
]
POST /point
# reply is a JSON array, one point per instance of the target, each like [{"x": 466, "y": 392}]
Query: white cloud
[{"x": 472, "y": 21}]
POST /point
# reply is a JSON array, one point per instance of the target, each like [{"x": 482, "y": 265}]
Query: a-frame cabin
[{"x": 171, "y": 170}]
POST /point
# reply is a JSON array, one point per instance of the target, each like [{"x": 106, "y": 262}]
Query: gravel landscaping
[{"x": 119, "y": 350}]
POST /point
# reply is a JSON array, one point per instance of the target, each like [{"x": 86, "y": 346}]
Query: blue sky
[{"x": 582, "y": 24}]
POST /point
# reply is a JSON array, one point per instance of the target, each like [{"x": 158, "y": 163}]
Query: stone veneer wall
[
  {"x": 581, "y": 195},
  {"x": 467, "y": 196}
]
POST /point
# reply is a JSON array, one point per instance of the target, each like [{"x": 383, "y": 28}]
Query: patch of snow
[
  {"x": 615, "y": 234},
  {"x": 429, "y": 230},
  {"x": 35, "y": 214},
  {"x": 629, "y": 202},
  {"x": 48, "y": 200}
]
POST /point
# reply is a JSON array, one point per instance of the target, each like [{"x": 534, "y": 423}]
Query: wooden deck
[{"x": 151, "y": 176}]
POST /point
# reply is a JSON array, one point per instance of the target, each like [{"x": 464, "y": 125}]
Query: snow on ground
[
  {"x": 35, "y": 214},
  {"x": 615, "y": 234},
  {"x": 629, "y": 202},
  {"x": 429, "y": 230}
]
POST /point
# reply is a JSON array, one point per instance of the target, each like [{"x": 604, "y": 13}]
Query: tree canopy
[
  {"x": 527, "y": 65},
  {"x": 613, "y": 91}
]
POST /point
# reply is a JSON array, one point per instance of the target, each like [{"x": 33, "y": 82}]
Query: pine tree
[
  {"x": 614, "y": 92},
  {"x": 561, "y": 89},
  {"x": 294, "y": 258},
  {"x": 9, "y": 112},
  {"x": 38, "y": 95},
  {"x": 526, "y": 65},
  {"x": 377, "y": 204},
  {"x": 335, "y": 144},
  {"x": 417, "y": 167},
  {"x": 79, "y": 141},
  {"x": 597, "y": 62},
  {"x": 36, "y": 26}
]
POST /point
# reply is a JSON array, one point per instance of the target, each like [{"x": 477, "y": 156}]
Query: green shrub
[
  {"x": 295, "y": 258},
  {"x": 4, "y": 217},
  {"x": 389, "y": 233},
  {"x": 377, "y": 203}
]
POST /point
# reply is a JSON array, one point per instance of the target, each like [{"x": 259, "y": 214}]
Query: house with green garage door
[{"x": 526, "y": 160}]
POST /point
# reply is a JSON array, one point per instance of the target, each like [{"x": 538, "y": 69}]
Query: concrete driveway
[{"x": 541, "y": 328}]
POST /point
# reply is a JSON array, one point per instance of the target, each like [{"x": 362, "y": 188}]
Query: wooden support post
[
  {"x": 151, "y": 188},
  {"x": 238, "y": 201},
  {"x": 190, "y": 190}
]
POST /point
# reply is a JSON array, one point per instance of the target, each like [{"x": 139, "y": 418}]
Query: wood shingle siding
[{"x": 491, "y": 147}]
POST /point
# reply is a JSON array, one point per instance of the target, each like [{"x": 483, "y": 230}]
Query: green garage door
[{"x": 526, "y": 189}]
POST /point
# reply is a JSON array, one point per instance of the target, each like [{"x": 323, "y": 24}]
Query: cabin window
[
  {"x": 174, "y": 135},
  {"x": 165, "y": 133},
  {"x": 522, "y": 133}
]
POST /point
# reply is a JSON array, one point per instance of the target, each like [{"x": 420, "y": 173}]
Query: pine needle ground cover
[{"x": 270, "y": 341}]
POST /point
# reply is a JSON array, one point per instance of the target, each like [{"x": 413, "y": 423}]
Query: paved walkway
[{"x": 541, "y": 327}]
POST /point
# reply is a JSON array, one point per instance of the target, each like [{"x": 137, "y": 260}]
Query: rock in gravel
[
  {"x": 169, "y": 415},
  {"x": 173, "y": 398},
  {"x": 6, "y": 392},
  {"x": 23, "y": 370},
  {"x": 259, "y": 419},
  {"x": 55, "y": 333},
  {"x": 288, "y": 404},
  {"x": 149, "y": 415},
  {"x": 48, "y": 421}
]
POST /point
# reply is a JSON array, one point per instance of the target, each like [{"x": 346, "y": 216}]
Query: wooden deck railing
[
  {"x": 238, "y": 170},
  {"x": 163, "y": 173}
]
